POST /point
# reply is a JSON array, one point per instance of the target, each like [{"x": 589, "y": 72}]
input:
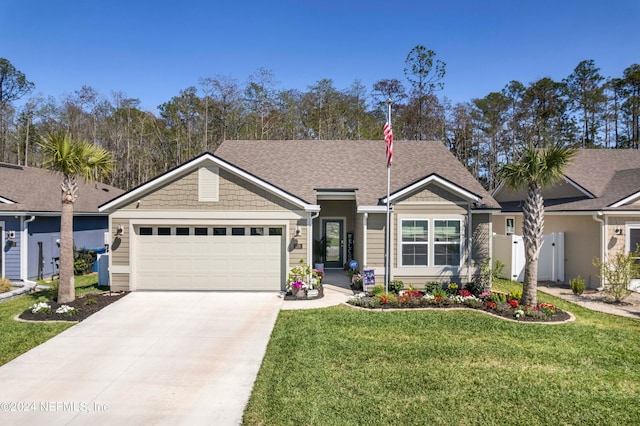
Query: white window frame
[
  {"x": 459, "y": 242},
  {"x": 402, "y": 243},
  {"x": 431, "y": 267},
  {"x": 635, "y": 283},
  {"x": 510, "y": 230}
]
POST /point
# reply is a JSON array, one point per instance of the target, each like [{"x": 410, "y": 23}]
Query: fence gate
[{"x": 509, "y": 249}]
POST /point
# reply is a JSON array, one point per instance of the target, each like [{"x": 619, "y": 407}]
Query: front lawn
[
  {"x": 346, "y": 366},
  {"x": 17, "y": 337}
]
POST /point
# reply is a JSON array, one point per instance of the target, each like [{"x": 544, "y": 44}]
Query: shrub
[
  {"x": 387, "y": 299},
  {"x": 577, "y": 285},
  {"x": 474, "y": 303},
  {"x": 5, "y": 285},
  {"x": 377, "y": 289},
  {"x": 432, "y": 286},
  {"x": 475, "y": 287},
  {"x": 617, "y": 272},
  {"x": 395, "y": 286},
  {"x": 497, "y": 269}
]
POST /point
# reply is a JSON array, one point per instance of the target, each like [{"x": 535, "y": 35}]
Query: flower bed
[
  {"x": 304, "y": 283},
  {"x": 499, "y": 304}
]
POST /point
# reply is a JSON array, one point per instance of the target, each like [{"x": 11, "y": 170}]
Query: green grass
[
  {"x": 17, "y": 337},
  {"x": 342, "y": 366}
]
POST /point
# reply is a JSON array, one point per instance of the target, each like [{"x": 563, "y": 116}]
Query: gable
[
  {"x": 432, "y": 193},
  {"x": 562, "y": 189},
  {"x": 210, "y": 188}
]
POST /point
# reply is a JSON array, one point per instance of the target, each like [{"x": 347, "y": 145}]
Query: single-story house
[
  {"x": 30, "y": 204},
  {"x": 241, "y": 218},
  {"x": 596, "y": 206}
]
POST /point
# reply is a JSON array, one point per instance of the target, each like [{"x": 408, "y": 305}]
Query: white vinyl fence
[{"x": 509, "y": 249}]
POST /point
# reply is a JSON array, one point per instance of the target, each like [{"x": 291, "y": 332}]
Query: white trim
[
  {"x": 201, "y": 214},
  {"x": 335, "y": 195},
  {"x": 2, "y": 243},
  {"x": 433, "y": 203},
  {"x": 629, "y": 199},
  {"x": 434, "y": 178},
  {"x": 365, "y": 220},
  {"x": 506, "y": 226},
  {"x": 371, "y": 209},
  {"x": 6, "y": 201},
  {"x": 136, "y": 193}
]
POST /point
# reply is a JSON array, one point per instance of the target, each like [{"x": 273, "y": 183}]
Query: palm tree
[
  {"x": 73, "y": 159},
  {"x": 537, "y": 168}
]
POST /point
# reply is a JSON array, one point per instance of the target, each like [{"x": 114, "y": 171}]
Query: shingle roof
[
  {"x": 302, "y": 166},
  {"x": 609, "y": 174},
  {"x": 38, "y": 190}
]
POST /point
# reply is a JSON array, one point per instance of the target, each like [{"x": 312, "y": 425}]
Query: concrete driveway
[{"x": 150, "y": 358}]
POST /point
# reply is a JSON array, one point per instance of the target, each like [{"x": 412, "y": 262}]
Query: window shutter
[{"x": 208, "y": 184}]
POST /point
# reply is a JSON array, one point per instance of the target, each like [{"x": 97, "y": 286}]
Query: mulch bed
[
  {"x": 86, "y": 305},
  {"x": 558, "y": 316}
]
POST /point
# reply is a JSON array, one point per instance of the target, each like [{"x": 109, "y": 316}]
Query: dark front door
[{"x": 332, "y": 231}]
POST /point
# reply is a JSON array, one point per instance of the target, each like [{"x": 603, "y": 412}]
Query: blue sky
[{"x": 152, "y": 50}]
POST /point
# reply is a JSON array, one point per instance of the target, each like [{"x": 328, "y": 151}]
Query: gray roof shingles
[
  {"x": 38, "y": 190},
  {"x": 302, "y": 166},
  {"x": 609, "y": 174}
]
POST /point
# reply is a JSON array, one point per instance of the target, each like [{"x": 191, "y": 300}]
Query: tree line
[{"x": 585, "y": 110}]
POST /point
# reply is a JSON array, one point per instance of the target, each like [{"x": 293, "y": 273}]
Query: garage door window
[
  {"x": 219, "y": 231},
  {"x": 237, "y": 231},
  {"x": 201, "y": 231},
  {"x": 146, "y": 230},
  {"x": 182, "y": 231},
  {"x": 275, "y": 231},
  {"x": 257, "y": 231},
  {"x": 164, "y": 231}
]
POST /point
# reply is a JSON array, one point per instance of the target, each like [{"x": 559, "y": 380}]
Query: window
[
  {"x": 415, "y": 242},
  {"x": 237, "y": 231},
  {"x": 275, "y": 231},
  {"x": 201, "y": 231},
  {"x": 145, "y": 230},
  {"x": 634, "y": 241},
  {"x": 219, "y": 231},
  {"x": 164, "y": 231},
  {"x": 257, "y": 231},
  {"x": 446, "y": 242},
  {"x": 510, "y": 225},
  {"x": 182, "y": 231}
]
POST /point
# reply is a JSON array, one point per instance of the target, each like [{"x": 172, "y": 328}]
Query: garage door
[{"x": 209, "y": 258}]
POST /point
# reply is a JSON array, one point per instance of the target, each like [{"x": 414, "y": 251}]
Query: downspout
[
  {"x": 469, "y": 244},
  {"x": 24, "y": 250},
  {"x": 603, "y": 236},
  {"x": 364, "y": 240}
]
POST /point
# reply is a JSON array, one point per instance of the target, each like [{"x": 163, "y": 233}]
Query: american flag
[{"x": 388, "y": 138}]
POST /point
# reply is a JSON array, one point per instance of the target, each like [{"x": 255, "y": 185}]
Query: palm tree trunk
[
  {"x": 533, "y": 215},
  {"x": 66, "y": 288}
]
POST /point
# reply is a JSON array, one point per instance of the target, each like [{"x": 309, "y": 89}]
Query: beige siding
[
  {"x": 432, "y": 193},
  {"x": 297, "y": 245},
  {"x": 120, "y": 245},
  {"x": 235, "y": 194},
  {"x": 119, "y": 282},
  {"x": 481, "y": 237},
  {"x": 581, "y": 245},
  {"x": 617, "y": 242},
  {"x": 375, "y": 240}
]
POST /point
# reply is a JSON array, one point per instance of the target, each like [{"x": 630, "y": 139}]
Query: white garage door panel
[{"x": 209, "y": 262}]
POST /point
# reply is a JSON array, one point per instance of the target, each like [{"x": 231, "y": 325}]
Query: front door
[{"x": 332, "y": 231}]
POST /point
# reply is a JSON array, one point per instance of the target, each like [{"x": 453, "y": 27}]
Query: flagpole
[{"x": 387, "y": 258}]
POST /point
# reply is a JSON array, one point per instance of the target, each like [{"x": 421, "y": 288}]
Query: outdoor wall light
[
  {"x": 618, "y": 230},
  {"x": 298, "y": 231},
  {"x": 119, "y": 231}
]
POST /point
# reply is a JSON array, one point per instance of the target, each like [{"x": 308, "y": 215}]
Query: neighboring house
[
  {"x": 30, "y": 205},
  {"x": 240, "y": 219},
  {"x": 596, "y": 206}
]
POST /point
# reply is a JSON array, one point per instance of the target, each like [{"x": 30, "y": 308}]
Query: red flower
[
  {"x": 464, "y": 293},
  {"x": 513, "y": 303},
  {"x": 491, "y": 305}
]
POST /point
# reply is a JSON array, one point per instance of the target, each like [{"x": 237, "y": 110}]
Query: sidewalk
[
  {"x": 595, "y": 300},
  {"x": 333, "y": 296}
]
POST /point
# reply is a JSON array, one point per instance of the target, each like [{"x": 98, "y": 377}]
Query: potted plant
[{"x": 319, "y": 251}]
